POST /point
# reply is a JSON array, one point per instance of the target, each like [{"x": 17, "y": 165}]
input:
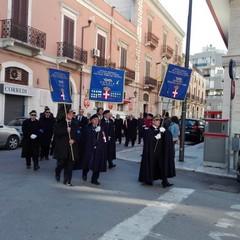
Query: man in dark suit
[
  {"x": 118, "y": 123},
  {"x": 31, "y": 140},
  {"x": 140, "y": 127},
  {"x": 65, "y": 149},
  {"x": 108, "y": 127},
  {"x": 82, "y": 120},
  {"x": 95, "y": 150},
  {"x": 130, "y": 130}
]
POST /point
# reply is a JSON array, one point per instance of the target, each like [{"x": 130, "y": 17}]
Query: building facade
[
  {"x": 209, "y": 62},
  {"x": 141, "y": 39}
]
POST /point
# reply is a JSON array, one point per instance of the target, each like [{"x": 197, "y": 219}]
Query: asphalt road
[{"x": 36, "y": 207}]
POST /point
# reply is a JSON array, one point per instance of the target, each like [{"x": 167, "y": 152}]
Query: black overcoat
[
  {"x": 30, "y": 147},
  {"x": 131, "y": 129},
  {"x": 157, "y": 158},
  {"x": 62, "y": 149},
  {"x": 95, "y": 150},
  {"x": 108, "y": 128},
  {"x": 118, "y": 127},
  {"x": 46, "y": 125}
]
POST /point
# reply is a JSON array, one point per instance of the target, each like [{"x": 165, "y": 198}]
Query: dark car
[
  {"x": 194, "y": 129},
  {"x": 17, "y": 124}
]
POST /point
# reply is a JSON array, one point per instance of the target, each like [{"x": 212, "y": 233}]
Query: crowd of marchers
[{"x": 89, "y": 143}]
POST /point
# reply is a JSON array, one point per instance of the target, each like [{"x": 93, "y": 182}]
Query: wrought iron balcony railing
[
  {"x": 151, "y": 40},
  {"x": 151, "y": 82},
  {"x": 23, "y": 33},
  {"x": 167, "y": 51},
  {"x": 71, "y": 51},
  {"x": 130, "y": 74}
]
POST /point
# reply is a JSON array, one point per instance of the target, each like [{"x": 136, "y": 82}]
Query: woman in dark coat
[
  {"x": 157, "y": 158},
  {"x": 65, "y": 149},
  {"x": 31, "y": 140},
  {"x": 95, "y": 150}
]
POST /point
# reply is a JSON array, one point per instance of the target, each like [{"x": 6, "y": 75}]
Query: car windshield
[{"x": 190, "y": 123}]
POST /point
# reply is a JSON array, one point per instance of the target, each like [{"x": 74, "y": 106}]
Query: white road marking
[
  {"x": 139, "y": 226},
  {"x": 234, "y": 214},
  {"x": 159, "y": 236},
  {"x": 225, "y": 223},
  {"x": 219, "y": 235},
  {"x": 237, "y": 207}
]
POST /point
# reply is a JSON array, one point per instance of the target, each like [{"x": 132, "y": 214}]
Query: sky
[{"x": 203, "y": 28}]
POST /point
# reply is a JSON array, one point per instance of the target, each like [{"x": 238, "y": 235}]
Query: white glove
[
  {"x": 158, "y": 136},
  {"x": 98, "y": 129},
  {"x": 109, "y": 138},
  {"x": 33, "y": 136},
  {"x": 162, "y": 129}
]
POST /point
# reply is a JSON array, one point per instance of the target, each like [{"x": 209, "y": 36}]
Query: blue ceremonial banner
[
  {"x": 106, "y": 84},
  {"x": 59, "y": 86},
  {"x": 175, "y": 84}
]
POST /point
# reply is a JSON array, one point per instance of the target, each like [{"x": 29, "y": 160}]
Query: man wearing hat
[
  {"x": 107, "y": 125},
  {"x": 157, "y": 162},
  {"x": 31, "y": 140},
  {"x": 95, "y": 150}
]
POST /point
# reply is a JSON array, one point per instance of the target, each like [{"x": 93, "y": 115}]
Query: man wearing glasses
[{"x": 31, "y": 140}]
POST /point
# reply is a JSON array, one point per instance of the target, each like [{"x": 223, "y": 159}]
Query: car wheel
[{"x": 12, "y": 142}]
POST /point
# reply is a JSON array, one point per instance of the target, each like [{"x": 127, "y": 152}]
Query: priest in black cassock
[
  {"x": 157, "y": 158},
  {"x": 95, "y": 150},
  {"x": 107, "y": 125}
]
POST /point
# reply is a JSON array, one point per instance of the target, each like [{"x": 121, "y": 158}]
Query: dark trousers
[
  {"x": 127, "y": 141},
  {"x": 95, "y": 175},
  {"x": 35, "y": 161},
  {"x": 140, "y": 136},
  {"x": 67, "y": 165},
  {"x": 45, "y": 150}
]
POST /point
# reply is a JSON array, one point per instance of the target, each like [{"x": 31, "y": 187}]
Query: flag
[
  {"x": 176, "y": 82},
  {"x": 59, "y": 86},
  {"x": 106, "y": 84}
]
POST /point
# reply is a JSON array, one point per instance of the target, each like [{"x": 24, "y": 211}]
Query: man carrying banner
[{"x": 65, "y": 149}]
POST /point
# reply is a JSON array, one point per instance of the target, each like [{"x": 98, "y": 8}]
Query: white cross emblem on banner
[
  {"x": 62, "y": 94},
  {"x": 175, "y": 92},
  {"x": 106, "y": 94}
]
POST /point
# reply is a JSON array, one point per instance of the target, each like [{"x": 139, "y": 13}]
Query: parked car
[
  {"x": 9, "y": 137},
  {"x": 17, "y": 124},
  {"x": 194, "y": 129}
]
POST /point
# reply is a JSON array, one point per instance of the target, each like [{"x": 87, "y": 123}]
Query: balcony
[
  {"x": 151, "y": 40},
  {"x": 177, "y": 60},
  {"x": 21, "y": 39},
  {"x": 167, "y": 51},
  {"x": 129, "y": 75},
  {"x": 150, "y": 83},
  {"x": 71, "y": 56}
]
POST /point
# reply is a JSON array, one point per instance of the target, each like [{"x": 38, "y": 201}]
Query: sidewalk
[{"x": 193, "y": 159}]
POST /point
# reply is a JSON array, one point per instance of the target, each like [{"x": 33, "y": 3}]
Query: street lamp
[{"x": 81, "y": 69}]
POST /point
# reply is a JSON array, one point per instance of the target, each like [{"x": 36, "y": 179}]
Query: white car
[{"x": 9, "y": 137}]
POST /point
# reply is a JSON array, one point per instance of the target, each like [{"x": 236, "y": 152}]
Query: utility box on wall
[{"x": 216, "y": 141}]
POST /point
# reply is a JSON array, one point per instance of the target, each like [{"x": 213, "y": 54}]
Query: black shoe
[
  {"x": 57, "y": 177},
  {"x": 68, "y": 184},
  {"x": 84, "y": 178},
  {"x": 112, "y": 166},
  {"x": 96, "y": 182},
  {"x": 125, "y": 145},
  {"x": 46, "y": 158},
  {"x": 28, "y": 166},
  {"x": 36, "y": 168},
  {"x": 166, "y": 184},
  {"x": 149, "y": 183}
]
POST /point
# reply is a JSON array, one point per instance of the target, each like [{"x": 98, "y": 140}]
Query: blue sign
[
  {"x": 59, "y": 86},
  {"x": 106, "y": 84},
  {"x": 175, "y": 84}
]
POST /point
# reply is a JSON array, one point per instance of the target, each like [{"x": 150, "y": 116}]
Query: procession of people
[{"x": 89, "y": 143}]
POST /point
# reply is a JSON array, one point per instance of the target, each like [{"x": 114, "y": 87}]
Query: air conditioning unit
[{"x": 95, "y": 52}]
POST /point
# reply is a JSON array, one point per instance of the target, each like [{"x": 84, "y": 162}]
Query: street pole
[
  {"x": 184, "y": 103},
  {"x": 81, "y": 69}
]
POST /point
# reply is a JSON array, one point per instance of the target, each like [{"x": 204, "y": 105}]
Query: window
[
  {"x": 147, "y": 68},
  {"x": 68, "y": 37},
  {"x": 123, "y": 57}
]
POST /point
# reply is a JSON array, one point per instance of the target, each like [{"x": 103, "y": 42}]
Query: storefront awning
[{"x": 126, "y": 101}]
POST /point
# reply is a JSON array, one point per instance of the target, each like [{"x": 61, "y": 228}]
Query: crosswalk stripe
[{"x": 139, "y": 226}]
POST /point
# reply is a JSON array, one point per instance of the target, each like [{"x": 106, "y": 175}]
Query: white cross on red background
[{"x": 106, "y": 94}]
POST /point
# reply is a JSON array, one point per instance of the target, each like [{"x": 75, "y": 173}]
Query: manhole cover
[{"x": 219, "y": 187}]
